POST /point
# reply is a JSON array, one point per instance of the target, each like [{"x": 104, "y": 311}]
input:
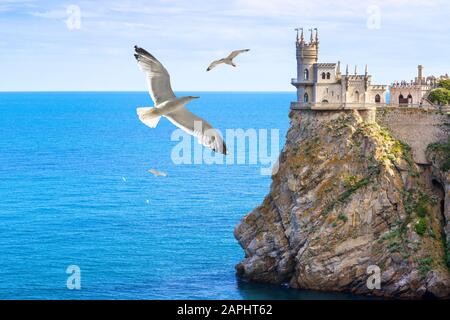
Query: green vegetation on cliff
[
  {"x": 441, "y": 153},
  {"x": 441, "y": 95}
]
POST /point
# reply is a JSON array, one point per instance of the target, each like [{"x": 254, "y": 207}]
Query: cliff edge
[{"x": 349, "y": 197}]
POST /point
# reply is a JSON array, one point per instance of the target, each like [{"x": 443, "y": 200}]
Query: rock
[{"x": 344, "y": 199}]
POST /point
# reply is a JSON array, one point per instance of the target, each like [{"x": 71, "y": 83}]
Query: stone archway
[
  {"x": 410, "y": 99},
  {"x": 402, "y": 99}
]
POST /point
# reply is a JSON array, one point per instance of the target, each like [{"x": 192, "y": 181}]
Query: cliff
[{"x": 347, "y": 196}]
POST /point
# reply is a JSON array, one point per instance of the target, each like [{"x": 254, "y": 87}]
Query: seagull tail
[{"x": 148, "y": 116}]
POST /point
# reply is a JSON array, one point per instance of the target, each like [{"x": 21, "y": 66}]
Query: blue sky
[{"x": 38, "y": 52}]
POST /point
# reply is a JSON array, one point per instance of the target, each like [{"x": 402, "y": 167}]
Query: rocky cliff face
[{"x": 348, "y": 196}]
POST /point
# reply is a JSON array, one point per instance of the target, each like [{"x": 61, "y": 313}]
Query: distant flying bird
[
  {"x": 157, "y": 173},
  {"x": 171, "y": 107},
  {"x": 227, "y": 60}
]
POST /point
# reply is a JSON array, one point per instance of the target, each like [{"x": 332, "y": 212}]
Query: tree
[
  {"x": 444, "y": 84},
  {"x": 440, "y": 95}
]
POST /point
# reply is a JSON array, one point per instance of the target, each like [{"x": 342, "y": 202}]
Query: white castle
[
  {"x": 322, "y": 83},
  {"x": 318, "y": 83}
]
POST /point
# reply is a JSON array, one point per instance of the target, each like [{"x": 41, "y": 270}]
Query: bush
[
  {"x": 342, "y": 217},
  {"x": 350, "y": 181},
  {"x": 443, "y": 152},
  {"x": 421, "y": 226},
  {"x": 444, "y": 84},
  {"x": 421, "y": 205},
  {"x": 343, "y": 197},
  {"x": 440, "y": 96},
  {"x": 424, "y": 266}
]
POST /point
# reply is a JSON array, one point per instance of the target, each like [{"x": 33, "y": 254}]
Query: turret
[
  {"x": 338, "y": 70},
  {"x": 419, "y": 74},
  {"x": 366, "y": 78},
  {"x": 307, "y": 55}
]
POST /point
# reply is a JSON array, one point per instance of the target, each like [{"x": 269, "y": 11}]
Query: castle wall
[
  {"x": 416, "y": 127},
  {"x": 329, "y": 92}
]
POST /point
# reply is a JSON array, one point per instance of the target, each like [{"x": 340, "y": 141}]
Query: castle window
[
  {"x": 323, "y": 75},
  {"x": 327, "y": 90},
  {"x": 357, "y": 96},
  {"x": 377, "y": 98},
  {"x": 306, "y": 74},
  {"x": 305, "y": 98},
  {"x": 328, "y": 75},
  {"x": 410, "y": 100}
]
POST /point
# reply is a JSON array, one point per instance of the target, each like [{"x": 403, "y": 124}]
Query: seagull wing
[
  {"x": 214, "y": 64},
  {"x": 235, "y": 53},
  {"x": 197, "y": 127},
  {"x": 158, "y": 79}
]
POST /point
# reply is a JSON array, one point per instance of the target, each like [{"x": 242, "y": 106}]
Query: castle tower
[
  {"x": 420, "y": 74},
  {"x": 307, "y": 55}
]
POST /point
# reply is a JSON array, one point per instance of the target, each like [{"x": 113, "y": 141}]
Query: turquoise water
[{"x": 75, "y": 190}]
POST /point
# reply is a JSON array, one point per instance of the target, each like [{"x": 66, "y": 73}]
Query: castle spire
[
  {"x": 302, "y": 38},
  {"x": 339, "y": 67},
  {"x": 346, "y": 70},
  {"x": 317, "y": 35},
  {"x": 311, "y": 38},
  {"x": 366, "y": 71},
  {"x": 356, "y": 72}
]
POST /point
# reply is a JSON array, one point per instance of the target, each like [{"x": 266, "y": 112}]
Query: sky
[{"x": 75, "y": 45}]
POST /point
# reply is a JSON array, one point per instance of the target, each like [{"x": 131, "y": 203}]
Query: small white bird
[
  {"x": 173, "y": 108},
  {"x": 157, "y": 173},
  {"x": 228, "y": 60}
]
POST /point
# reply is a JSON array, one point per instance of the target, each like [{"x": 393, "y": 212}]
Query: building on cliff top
[
  {"x": 322, "y": 83},
  {"x": 415, "y": 91}
]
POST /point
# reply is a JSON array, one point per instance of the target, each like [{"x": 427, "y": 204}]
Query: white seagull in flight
[
  {"x": 171, "y": 107},
  {"x": 227, "y": 60},
  {"x": 157, "y": 173}
]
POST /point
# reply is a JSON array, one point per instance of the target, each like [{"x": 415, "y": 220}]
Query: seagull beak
[{"x": 194, "y": 97}]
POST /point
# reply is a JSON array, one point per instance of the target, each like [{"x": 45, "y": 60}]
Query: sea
[{"x": 82, "y": 218}]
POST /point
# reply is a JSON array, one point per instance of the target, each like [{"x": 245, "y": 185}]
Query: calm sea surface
[{"x": 75, "y": 190}]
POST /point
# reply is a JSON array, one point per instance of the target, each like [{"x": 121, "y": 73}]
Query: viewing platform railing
[{"x": 296, "y": 81}]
